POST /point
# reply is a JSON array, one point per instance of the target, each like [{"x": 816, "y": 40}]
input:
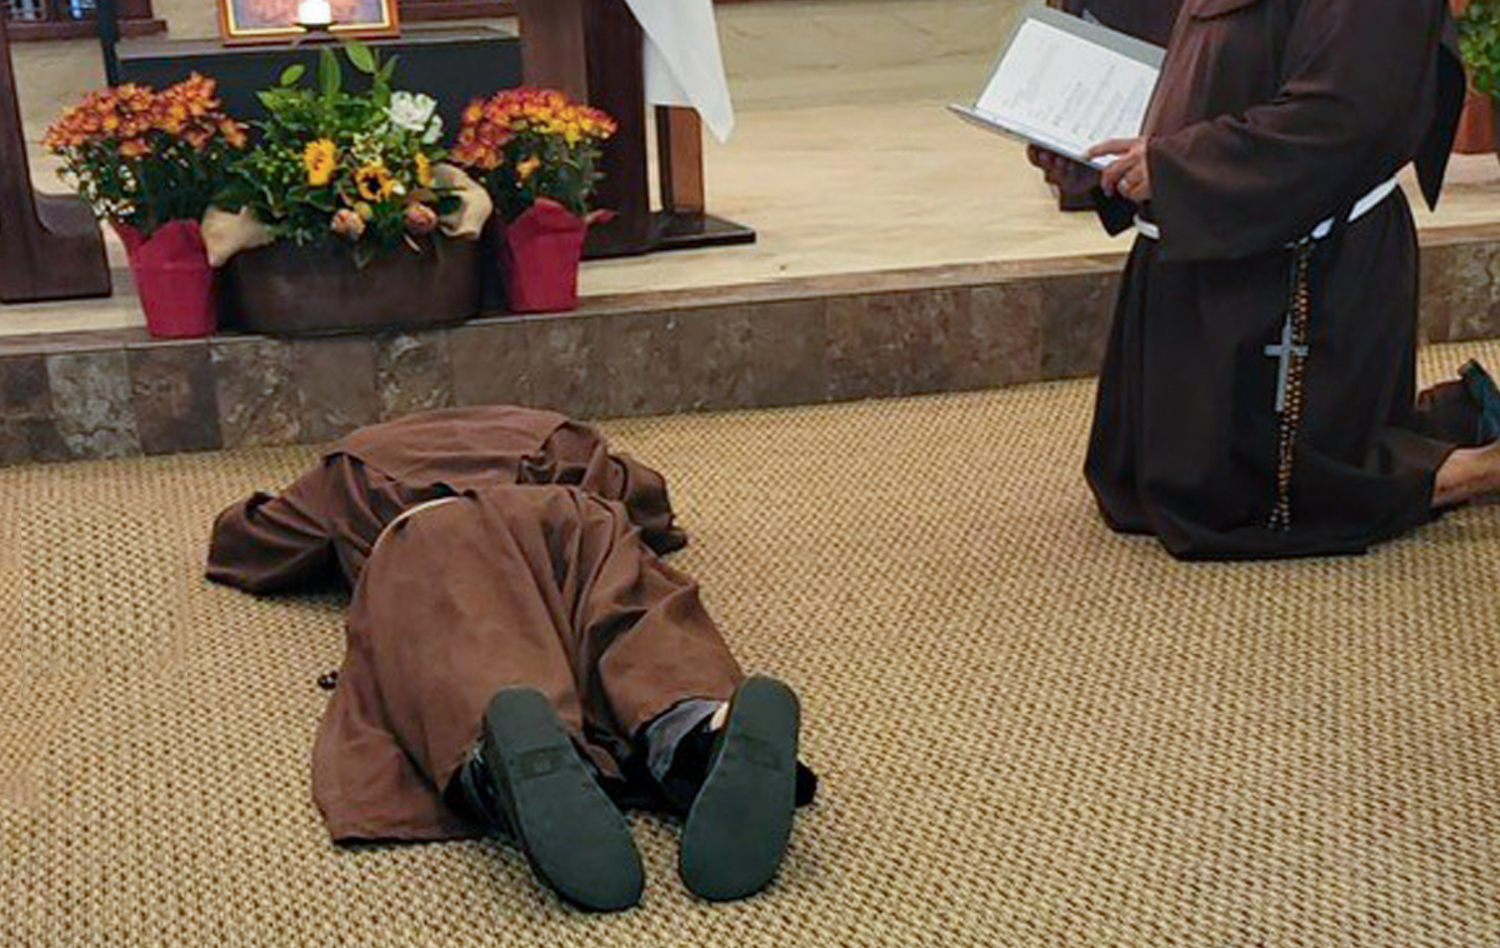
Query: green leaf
[
  {"x": 293, "y": 74},
  {"x": 361, "y": 57},
  {"x": 330, "y": 76},
  {"x": 388, "y": 70}
]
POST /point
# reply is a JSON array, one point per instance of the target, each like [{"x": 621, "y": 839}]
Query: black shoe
[
  {"x": 737, "y": 829},
  {"x": 1482, "y": 389},
  {"x": 575, "y": 839}
]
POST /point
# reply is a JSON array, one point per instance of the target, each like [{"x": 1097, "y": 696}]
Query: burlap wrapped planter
[{"x": 287, "y": 290}]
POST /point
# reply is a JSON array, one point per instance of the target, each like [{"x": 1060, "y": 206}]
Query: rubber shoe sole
[
  {"x": 1482, "y": 389},
  {"x": 574, "y": 837},
  {"x": 738, "y": 826}
]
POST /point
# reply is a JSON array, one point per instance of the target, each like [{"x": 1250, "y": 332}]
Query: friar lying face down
[{"x": 520, "y": 661}]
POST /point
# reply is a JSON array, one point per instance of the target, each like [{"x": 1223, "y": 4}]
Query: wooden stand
[
  {"x": 50, "y": 247},
  {"x": 591, "y": 49}
]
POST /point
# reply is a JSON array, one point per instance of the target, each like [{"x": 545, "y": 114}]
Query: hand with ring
[{"x": 1129, "y": 175}]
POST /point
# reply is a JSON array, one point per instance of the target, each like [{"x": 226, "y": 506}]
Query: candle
[{"x": 314, "y": 13}]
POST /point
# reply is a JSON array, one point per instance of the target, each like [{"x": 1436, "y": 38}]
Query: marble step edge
[{"x": 840, "y": 338}]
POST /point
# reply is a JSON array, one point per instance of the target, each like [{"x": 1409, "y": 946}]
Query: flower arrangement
[
  {"x": 1479, "y": 42},
  {"x": 335, "y": 165},
  {"x": 143, "y": 158},
  {"x": 526, "y": 144}
]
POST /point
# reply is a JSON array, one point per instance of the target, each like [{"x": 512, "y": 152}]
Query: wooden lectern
[
  {"x": 50, "y": 246},
  {"x": 592, "y": 49}
]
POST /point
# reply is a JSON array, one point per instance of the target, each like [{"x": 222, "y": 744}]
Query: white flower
[{"x": 414, "y": 112}]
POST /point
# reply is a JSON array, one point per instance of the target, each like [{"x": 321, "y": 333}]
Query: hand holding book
[
  {"x": 1128, "y": 175},
  {"x": 1062, "y": 172},
  {"x": 1067, "y": 85}
]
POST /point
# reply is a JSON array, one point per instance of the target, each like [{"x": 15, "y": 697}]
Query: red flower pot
[
  {"x": 173, "y": 279},
  {"x": 539, "y": 254}
]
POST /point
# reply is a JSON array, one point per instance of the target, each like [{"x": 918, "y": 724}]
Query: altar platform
[{"x": 899, "y": 252}]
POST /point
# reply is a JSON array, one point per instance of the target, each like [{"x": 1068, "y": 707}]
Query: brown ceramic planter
[
  {"x": 287, "y": 290},
  {"x": 1476, "y": 127}
]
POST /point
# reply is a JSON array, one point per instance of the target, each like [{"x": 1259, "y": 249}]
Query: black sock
[
  {"x": 689, "y": 766},
  {"x": 472, "y": 793}
]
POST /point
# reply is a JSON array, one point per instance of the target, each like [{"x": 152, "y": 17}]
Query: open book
[{"x": 1067, "y": 84}]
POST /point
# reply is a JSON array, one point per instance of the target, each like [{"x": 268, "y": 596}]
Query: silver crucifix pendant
[{"x": 1286, "y": 351}]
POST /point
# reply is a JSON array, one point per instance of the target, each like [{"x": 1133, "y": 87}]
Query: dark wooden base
[
  {"x": 670, "y": 231},
  {"x": 690, "y": 231},
  {"x": 61, "y": 258}
]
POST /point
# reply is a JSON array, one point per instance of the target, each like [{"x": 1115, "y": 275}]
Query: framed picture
[{"x": 244, "y": 22}]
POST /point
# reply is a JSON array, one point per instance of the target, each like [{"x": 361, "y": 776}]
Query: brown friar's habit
[
  {"x": 1150, "y": 20},
  {"x": 1270, "y": 117},
  {"x": 328, "y": 520},
  {"x": 545, "y": 587},
  {"x": 474, "y": 568}
]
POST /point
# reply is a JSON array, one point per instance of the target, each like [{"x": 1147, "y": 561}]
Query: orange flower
[
  {"x": 174, "y": 117},
  {"x": 195, "y": 93},
  {"x": 198, "y": 137},
  {"x": 527, "y": 168},
  {"x": 122, "y": 118},
  {"x": 233, "y": 132}
]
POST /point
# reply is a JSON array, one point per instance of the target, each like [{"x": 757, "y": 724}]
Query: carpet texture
[{"x": 1031, "y": 731}]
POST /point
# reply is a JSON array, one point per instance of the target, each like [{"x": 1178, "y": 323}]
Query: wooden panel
[
  {"x": 553, "y": 47},
  {"x": 50, "y": 248},
  {"x": 679, "y": 149},
  {"x": 617, "y": 84},
  {"x": 418, "y": 11},
  {"x": 80, "y": 29}
]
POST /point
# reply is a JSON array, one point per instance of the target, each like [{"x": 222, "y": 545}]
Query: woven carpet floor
[{"x": 1031, "y": 732}]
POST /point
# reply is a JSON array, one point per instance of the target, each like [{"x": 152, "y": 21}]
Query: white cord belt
[
  {"x": 1365, "y": 205},
  {"x": 407, "y": 514}
]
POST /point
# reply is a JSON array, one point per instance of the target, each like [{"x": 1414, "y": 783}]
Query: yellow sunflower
[
  {"x": 375, "y": 183},
  {"x": 424, "y": 170},
  {"x": 320, "y": 158}
]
